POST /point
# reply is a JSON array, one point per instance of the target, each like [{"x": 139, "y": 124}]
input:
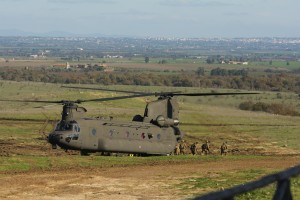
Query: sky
[{"x": 154, "y": 18}]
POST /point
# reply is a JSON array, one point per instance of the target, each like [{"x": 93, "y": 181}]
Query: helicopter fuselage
[{"x": 98, "y": 135}]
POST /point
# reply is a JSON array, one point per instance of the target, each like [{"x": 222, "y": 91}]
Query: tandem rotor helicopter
[{"x": 156, "y": 132}]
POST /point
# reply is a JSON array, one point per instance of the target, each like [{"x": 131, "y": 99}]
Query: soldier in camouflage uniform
[
  {"x": 183, "y": 147},
  {"x": 224, "y": 149},
  {"x": 205, "y": 148},
  {"x": 194, "y": 148},
  {"x": 177, "y": 149}
]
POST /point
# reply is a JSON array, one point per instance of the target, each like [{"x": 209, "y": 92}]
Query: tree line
[{"x": 236, "y": 80}]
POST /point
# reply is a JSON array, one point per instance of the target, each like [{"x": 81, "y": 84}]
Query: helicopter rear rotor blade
[{"x": 213, "y": 94}]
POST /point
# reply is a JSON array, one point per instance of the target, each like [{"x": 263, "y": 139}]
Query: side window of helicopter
[
  {"x": 111, "y": 132},
  {"x": 150, "y": 136},
  {"x": 158, "y": 136},
  {"x": 93, "y": 132}
]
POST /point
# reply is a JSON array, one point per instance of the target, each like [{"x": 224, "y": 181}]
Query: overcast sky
[{"x": 177, "y": 18}]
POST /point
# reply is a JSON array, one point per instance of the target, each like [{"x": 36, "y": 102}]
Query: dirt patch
[
  {"x": 238, "y": 145},
  {"x": 138, "y": 182}
]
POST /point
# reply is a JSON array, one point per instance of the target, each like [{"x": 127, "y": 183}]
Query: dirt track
[{"x": 139, "y": 182}]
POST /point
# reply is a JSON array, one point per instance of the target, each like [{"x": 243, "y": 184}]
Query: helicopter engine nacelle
[{"x": 162, "y": 121}]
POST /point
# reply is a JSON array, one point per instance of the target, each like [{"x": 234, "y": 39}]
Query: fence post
[{"x": 283, "y": 190}]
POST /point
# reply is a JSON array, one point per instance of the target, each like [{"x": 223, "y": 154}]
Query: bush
[
  {"x": 273, "y": 108},
  {"x": 246, "y": 105}
]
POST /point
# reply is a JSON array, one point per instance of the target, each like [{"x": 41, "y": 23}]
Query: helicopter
[{"x": 156, "y": 132}]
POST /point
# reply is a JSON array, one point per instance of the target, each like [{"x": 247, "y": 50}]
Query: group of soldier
[{"x": 182, "y": 148}]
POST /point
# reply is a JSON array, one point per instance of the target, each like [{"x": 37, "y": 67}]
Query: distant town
[{"x": 76, "y": 48}]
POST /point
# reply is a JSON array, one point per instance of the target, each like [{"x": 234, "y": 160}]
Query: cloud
[
  {"x": 11, "y": 1},
  {"x": 82, "y": 1},
  {"x": 236, "y": 14},
  {"x": 192, "y": 3}
]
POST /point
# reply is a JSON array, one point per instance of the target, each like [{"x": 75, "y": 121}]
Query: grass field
[
  {"x": 257, "y": 136},
  {"x": 171, "y": 66},
  {"x": 214, "y": 118}
]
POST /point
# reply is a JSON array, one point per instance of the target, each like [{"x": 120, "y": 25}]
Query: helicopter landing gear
[{"x": 84, "y": 153}]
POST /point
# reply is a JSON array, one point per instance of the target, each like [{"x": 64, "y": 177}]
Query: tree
[
  {"x": 210, "y": 60},
  {"x": 200, "y": 71},
  {"x": 146, "y": 59},
  {"x": 270, "y": 62}
]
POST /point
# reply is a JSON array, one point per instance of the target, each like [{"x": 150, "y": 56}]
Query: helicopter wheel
[{"x": 84, "y": 153}]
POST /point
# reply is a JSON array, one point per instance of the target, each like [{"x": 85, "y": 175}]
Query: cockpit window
[
  {"x": 76, "y": 128},
  {"x": 63, "y": 127},
  {"x": 70, "y": 126}
]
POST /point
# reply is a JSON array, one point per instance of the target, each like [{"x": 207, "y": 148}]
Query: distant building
[
  {"x": 34, "y": 56},
  {"x": 82, "y": 66},
  {"x": 238, "y": 63},
  {"x": 62, "y": 65}
]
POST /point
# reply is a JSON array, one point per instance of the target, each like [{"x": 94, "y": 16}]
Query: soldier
[
  {"x": 224, "y": 149},
  {"x": 182, "y": 147},
  {"x": 177, "y": 149},
  {"x": 205, "y": 148},
  {"x": 194, "y": 148}
]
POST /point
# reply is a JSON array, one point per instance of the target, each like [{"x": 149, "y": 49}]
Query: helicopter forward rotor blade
[
  {"x": 104, "y": 89},
  {"x": 34, "y": 101},
  {"x": 79, "y": 101}
]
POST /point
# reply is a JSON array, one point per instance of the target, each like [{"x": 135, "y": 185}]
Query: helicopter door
[{"x": 90, "y": 140}]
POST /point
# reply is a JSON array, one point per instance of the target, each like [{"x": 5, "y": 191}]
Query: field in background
[
  {"x": 251, "y": 136},
  {"x": 170, "y": 65}
]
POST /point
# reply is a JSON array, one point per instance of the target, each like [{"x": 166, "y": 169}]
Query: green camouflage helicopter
[{"x": 154, "y": 133}]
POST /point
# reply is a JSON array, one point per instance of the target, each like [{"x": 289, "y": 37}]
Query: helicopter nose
[{"x": 53, "y": 139}]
